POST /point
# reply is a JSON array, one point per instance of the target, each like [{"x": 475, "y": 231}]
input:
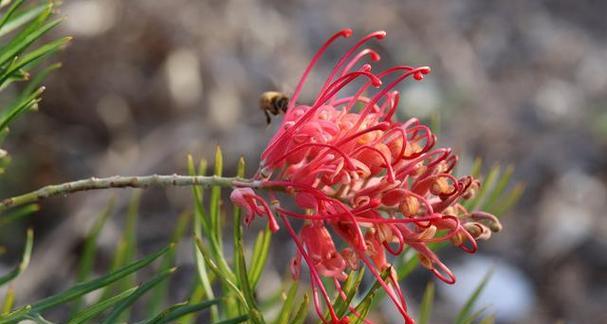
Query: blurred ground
[{"x": 516, "y": 82}]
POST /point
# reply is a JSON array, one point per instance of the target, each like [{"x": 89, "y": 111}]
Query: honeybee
[{"x": 273, "y": 102}]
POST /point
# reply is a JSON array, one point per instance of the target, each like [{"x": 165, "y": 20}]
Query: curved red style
[{"x": 358, "y": 174}]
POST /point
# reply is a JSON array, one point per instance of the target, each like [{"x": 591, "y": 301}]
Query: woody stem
[{"x": 125, "y": 182}]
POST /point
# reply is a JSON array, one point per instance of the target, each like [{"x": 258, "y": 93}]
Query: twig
[{"x": 124, "y": 182}]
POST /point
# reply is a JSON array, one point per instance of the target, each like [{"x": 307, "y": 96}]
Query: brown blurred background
[{"x": 516, "y": 82}]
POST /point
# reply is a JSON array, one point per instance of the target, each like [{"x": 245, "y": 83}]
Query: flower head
[{"x": 363, "y": 180}]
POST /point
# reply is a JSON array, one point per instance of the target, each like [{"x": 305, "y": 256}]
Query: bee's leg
[
  {"x": 268, "y": 117},
  {"x": 284, "y": 103}
]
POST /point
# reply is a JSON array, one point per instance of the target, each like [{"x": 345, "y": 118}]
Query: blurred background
[{"x": 144, "y": 83}]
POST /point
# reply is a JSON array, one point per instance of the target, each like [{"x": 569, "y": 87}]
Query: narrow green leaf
[
  {"x": 89, "y": 252},
  {"x": 178, "y": 311},
  {"x": 197, "y": 296},
  {"x": 425, "y": 308},
  {"x": 8, "y": 25},
  {"x": 474, "y": 316},
  {"x": 364, "y": 305},
  {"x": 9, "y": 301},
  {"x": 489, "y": 319},
  {"x": 97, "y": 308},
  {"x": 350, "y": 289},
  {"x": 198, "y": 192},
  {"x": 498, "y": 189},
  {"x": 486, "y": 187},
  {"x": 214, "y": 209},
  {"x": 9, "y": 13},
  {"x": 38, "y": 319},
  {"x": 160, "y": 293},
  {"x": 16, "y": 315},
  {"x": 215, "y": 229},
  {"x": 239, "y": 258},
  {"x": 405, "y": 270},
  {"x": 132, "y": 298},
  {"x": 243, "y": 279},
  {"x": 35, "y": 55},
  {"x": 200, "y": 225},
  {"x": 19, "y": 107},
  {"x": 36, "y": 81},
  {"x": 21, "y": 43},
  {"x": 83, "y": 288},
  {"x": 302, "y": 311},
  {"x": 235, "y": 320},
  {"x": 476, "y": 167},
  {"x": 469, "y": 305},
  {"x": 90, "y": 242},
  {"x": 25, "y": 259},
  {"x": 234, "y": 309},
  {"x": 230, "y": 284},
  {"x": 287, "y": 305},
  {"x": 261, "y": 250},
  {"x": 512, "y": 198},
  {"x": 18, "y": 213},
  {"x": 127, "y": 248}
]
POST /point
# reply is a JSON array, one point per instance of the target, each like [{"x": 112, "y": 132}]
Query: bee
[{"x": 273, "y": 102}]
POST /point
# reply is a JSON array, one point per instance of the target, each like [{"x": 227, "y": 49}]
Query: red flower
[{"x": 354, "y": 170}]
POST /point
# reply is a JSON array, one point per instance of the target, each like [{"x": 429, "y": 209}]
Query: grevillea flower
[{"x": 361, "y": 179}]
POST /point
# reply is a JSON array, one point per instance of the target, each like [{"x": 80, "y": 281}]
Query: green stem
[{"x": 125, "y": 182}]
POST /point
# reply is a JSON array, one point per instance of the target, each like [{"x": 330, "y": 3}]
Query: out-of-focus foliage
[{"x": 22, "y": 25}]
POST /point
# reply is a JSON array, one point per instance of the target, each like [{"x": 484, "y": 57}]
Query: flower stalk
[{"x": 148, "y": 181}]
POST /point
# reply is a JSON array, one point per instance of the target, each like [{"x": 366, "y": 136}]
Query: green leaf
[
  {"x": 16, "y": 315},
  {"x": 180, "y": 310},
  {"x": 474, "y": 316},
  {"x": 9, "y": 13},
  {"x": 132, "y": 298},
  {"x": 287, "y": 306},
  {"x": 350, "y": 289},
  {"x": 196, "y": 297},
  {"x": 476, "y": 167},
  {"x": 214, "y": 210},
  {"x": 466, "y": 310},
  {"x": 239, "y": 258},
  {"x": 230, "y": 284},
  {"x": 9, "y": 301},
  {"x": 87, "y": 258},
  {"x": 510, "y": 200},
  {"x": 161, "y": 291},
  {"x": 35, "y": 55},
  {"x": 19, "y": 107},
  {"x": 302, "y": 311},
  {"x": 261, "y": 250},
  {"x": 83, "y": 288},
  {"x": 36, "y": 81},
  {"x": 487, "y": 185},
  {"x": 425, "y": 308},
  {"x": 235, "y": 320},
  {"x": 234, "y": 308},
  {"x": 492, "y": 196},
  {"x": 8, "y": 25},
  {"x": 25, "y": 259},
  {"x": 364, "y": 305},
  {"x": 38, "y": 319},
  {"x": 489, "y": 319},
  {"x": 20, "y": 43},
  {"x": 411, "y": 264},
  {"x": 18, "y": 213},
  {"x": 200, "y": 225},
  {"x": 97, "y": 308},
  {"x": 498, "y": 189}
]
